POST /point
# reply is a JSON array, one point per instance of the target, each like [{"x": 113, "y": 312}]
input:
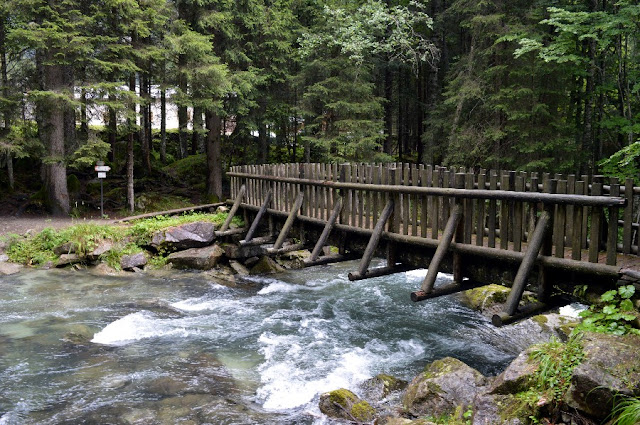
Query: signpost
[{"x": 102, "y": 174}]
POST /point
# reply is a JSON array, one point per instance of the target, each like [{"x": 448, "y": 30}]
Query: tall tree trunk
[
  {"x": 6, "y": 111},
  {"x": 113, "y": 129},
  {"x": 130, "y": 143},
  {"x": 71, "y": 140},
  {"x": 214, "y": 161},
  {"x": 388, "y": 111},
  {"x": 263, "y": 143},
  {"x": 196, "y": 136},
  {"x": 145, "y": 125},
  {"x": 182, "y": 108},
  {"x": 163, "y": 125},
  {"x": 52, "y": 134},
  {"x": 84, "y": 120}
]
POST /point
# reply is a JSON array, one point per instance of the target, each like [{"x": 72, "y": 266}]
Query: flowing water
[{"x": 183, "y": 348}]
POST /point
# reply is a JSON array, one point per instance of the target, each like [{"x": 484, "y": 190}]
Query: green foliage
[
  {"x": 623, "y": 164},
  {"x": 615, "y": 315},
  {"x": 556, "y": 361},
  {"x": 88, "y": 154},
  {"x": 626, "y": 411},
  {"x": 39, "y": 248}
]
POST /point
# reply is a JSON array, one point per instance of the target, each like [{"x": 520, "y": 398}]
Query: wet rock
[
  {"x": 65, "y": 248},
  {"x": 611, "y": 366},
  {"x": 294, "y": 259},
  {"x": 489, "y": 299},
  {"x": 517, "y": 376},
  {"x": 128, "y": 262},
  {"x": 556, "y": 324},
  {"x": 186, "y": 236},
  {"x": 67, "y": 259},
  {"x": 343, "y": 404},
  {"x": 445, "y": 385},
  {"x": 380, "y": 386},
  {"x": 238, "y": 252},
  {"x": 7, "y": 269},
  {"x": 167, "y": 386},
  {"x": 496, "y": 409},
  {"x": 196, "y": 258},
  {"x": 238, "y": 268},
  {"x": 251, "y": 261},
  {"x": 103, "y": 269},
  {"x": 266, "y": 265}
]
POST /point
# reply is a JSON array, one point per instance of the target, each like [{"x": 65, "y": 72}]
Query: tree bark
[
  {"x": 263, "y": 144},
  {"x": 196, "y": 136},
  {"x": 182, "y": 108},
  {"x": 113, "y": 129},
  {"x": 130, "y": 143},
  {"x": 214, "y": 161},
  {"x": 6, "y": 114},
  {"x": 145, "y": 125},
  {"x": 388, "y": 111},
  {"x": 163, "y": 125}
]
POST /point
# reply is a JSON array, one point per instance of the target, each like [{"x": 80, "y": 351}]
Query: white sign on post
[
  {"x": 102, "y": 168},
  {"x": 102, "y": 175}
]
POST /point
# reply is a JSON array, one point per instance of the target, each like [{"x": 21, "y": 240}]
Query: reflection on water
[{"x": 76, "y": 348}]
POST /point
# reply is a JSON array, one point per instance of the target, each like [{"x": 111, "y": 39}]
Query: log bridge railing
[{"x": 577, "y": 223}]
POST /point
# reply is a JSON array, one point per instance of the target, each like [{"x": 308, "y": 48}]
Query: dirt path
[{"x": 20, "y": 225}]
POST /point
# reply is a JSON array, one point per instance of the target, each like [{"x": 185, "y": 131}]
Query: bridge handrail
[{"x": 546, "y": 198}]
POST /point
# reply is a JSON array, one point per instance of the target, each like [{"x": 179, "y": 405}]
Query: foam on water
[
  {"x": 137, "y": 326},
  {"x": 573, "y": 310}
]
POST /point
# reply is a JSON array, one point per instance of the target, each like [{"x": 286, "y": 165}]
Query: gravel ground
[{"x": 20, "y": 225}]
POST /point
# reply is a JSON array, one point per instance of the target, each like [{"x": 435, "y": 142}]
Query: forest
[{"x": 524, "y": 85}]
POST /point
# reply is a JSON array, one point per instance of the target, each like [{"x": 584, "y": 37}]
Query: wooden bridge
[{"x": 514, "y": 228}]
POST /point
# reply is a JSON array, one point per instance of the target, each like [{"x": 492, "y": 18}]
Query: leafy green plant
[
  {"x": 556, "y": 361},
  {"x": 614, "y": 316},
  {"x": 626, "y": 411}
]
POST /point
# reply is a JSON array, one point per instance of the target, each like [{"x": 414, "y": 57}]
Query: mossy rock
[
  {"x": 344, "y": 404},
  {"x": 485, "y": 297}
]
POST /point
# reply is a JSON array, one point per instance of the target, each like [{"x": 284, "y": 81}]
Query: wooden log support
[
  {"x": 262, "y": 240},
  {"x": 380, "y": 271},
  {"x": 289, "y": 223},
  {"x": 256, "y": 220},
  {"x": 284, "y": 250},
  {"x": 530, "y": 256},
  {"x": 529, "y": 310},
  {"x": 329, "y": 259},
  {"x": 337, "y": 208},
  {"x": 373, "y": 242},
  {"x": 441, "y": 251},
  {"x": 234, "y": 210}
]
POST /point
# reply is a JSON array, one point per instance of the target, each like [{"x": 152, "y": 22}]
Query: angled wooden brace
[
  {"x": 256, "y": 221},
  {"x": 426, "y": 290},
  {"x": 326, "y": 231},
  {"x": 373, "y": 244},
  {"x": 293, "y": 214},
  {"x": 520, "y": 281},
  {"x": 224, "y": 230}
]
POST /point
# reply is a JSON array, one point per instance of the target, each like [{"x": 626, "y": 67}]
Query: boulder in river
[
  {"x": 190, "y": 235},
  {"x": 443, "y": 387},
  {"x": 130, "y": 262},
  {"x": 197, "y": 258},
  {"x": 67, "y": 259},
  {"x": 343, "y": 404},
  {"x": 266, "y": 265},
  {"x": 611, "y": 366},
  {"x": 9, "y": 268}
]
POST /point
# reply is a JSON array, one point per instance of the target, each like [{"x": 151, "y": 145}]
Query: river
[{"x": 179, "y": 347}]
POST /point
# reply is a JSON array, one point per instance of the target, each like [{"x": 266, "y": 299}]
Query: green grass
[
  {"x": 39, "y": 248},
  {"x": 626, "y": 412}
]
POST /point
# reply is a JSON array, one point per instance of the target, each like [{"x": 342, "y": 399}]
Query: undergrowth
[{"x": 84, "y": 238}]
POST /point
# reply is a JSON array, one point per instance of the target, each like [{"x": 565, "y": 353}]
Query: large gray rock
[
  {"x": 65, "y": 248},
  {"x": 130, "y": 262},
  {"x": 343, "y": 404},
  {"x": 102, "y": 248},
  {"x": 517, "y": 376},
  {"x": 67, "y": 259},
  {"x": 190, "y": 235},
  {"x": 197, "y": 258},
  {"x": 494, "y": 409},
  {"x": 9, "y": 268},
  {"x": 442, "y": 387},
  {"x": 611, "y": 366},
  {"x": 380, "y": 386},
  {"x": 237, "y": 252},
  {"x": 266, "y": 265}
]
